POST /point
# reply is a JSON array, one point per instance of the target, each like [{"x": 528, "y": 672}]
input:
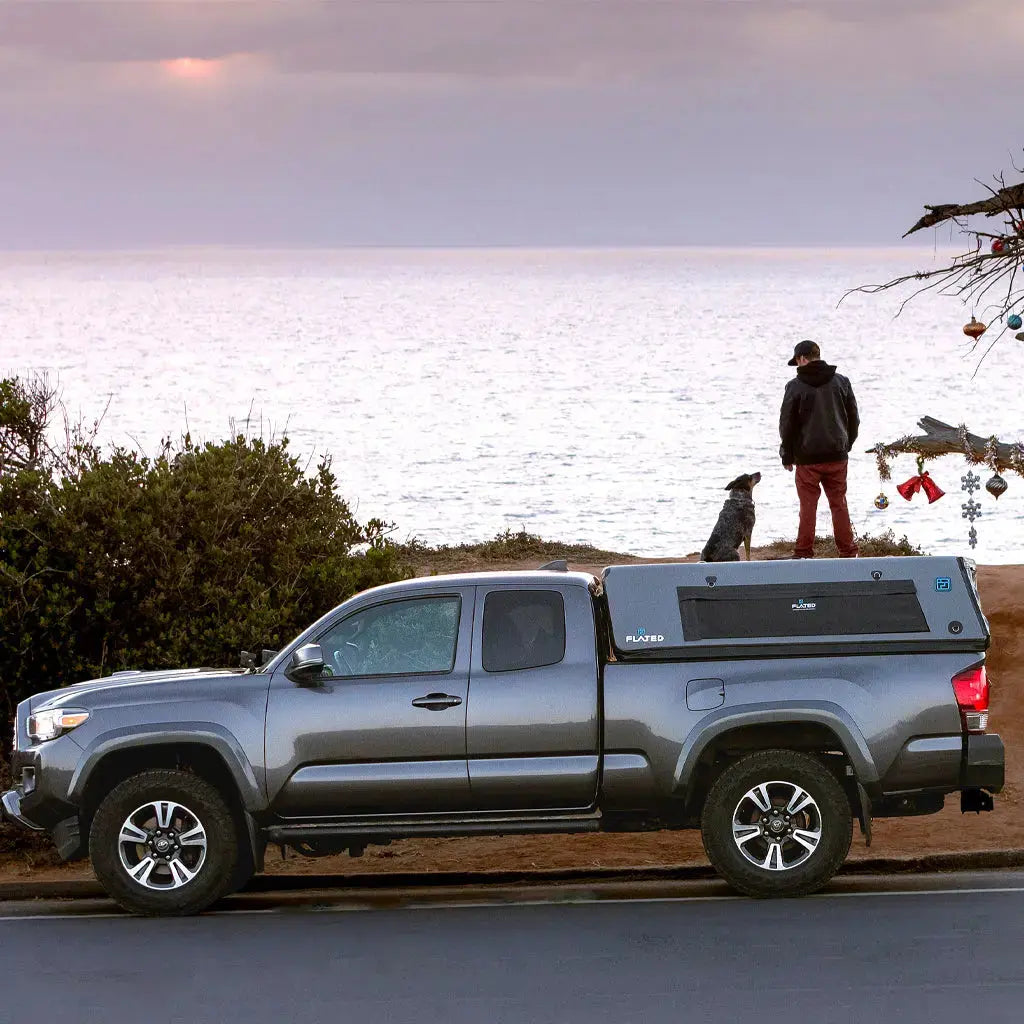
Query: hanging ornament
[
  {"x": 996, "y": 486},
  {"x": 998, "y": 246},
  {"x": 922, "y": 481},
  {"x": 971, "y": 509},
  {"x": 1019, "y": 336},
  {"x": 975, "y": 329},
  {"x": 1014, "y": 322},
  {"x": 881, "y": 502}
]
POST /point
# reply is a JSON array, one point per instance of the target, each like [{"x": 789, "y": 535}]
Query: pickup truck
[{"x": 770, "y": 704}]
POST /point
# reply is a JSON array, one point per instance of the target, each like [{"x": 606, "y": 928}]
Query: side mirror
[{"x": 306, "y": 662}]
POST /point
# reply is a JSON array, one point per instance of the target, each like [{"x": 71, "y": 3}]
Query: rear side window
[
  {"x": 523, "y": 629},
  {"x": 797, "y": 609}
]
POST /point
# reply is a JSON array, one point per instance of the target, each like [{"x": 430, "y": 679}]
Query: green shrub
[{"x": 118, "y": 560}]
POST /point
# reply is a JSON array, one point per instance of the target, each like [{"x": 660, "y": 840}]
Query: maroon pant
[{"x": 810, "y": 481}]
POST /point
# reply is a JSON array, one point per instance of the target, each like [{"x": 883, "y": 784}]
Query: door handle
[{"x": 437, "y": 701}]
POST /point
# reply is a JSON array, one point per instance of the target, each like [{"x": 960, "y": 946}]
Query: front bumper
[
  {"x": 42, "y": 780},
  {"x": 66, "y": 834},
  {"x": 39, "y": 799},
  {"x": 10, "y": 810}
]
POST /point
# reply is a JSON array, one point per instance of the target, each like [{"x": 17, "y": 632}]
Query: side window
[
  {"x": 398, "y": 638},
  {"x": 523, "y": 629}
]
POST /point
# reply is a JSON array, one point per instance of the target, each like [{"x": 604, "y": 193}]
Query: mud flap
[
  {"x": 257, "y": 844},
  {"x": 976, "y": 800},
  {"x": 864, "y": 813}
]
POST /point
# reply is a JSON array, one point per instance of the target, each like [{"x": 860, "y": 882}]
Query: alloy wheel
[
  {"x": 162, "y": 845},
  {"x": 777, "y": 825}
]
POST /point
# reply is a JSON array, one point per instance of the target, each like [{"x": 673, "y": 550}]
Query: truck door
[
  {"x": 532, "y": 726},
  {"x": 384, "y": 730}
]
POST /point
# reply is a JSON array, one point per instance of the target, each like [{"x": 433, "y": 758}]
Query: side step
[{"x": 374, "y": 831}]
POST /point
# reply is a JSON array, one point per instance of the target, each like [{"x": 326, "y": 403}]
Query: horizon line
[{"x": 160, "y": 247}]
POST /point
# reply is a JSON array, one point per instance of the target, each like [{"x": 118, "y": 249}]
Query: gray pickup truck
[{"x": 767, "y": 703}]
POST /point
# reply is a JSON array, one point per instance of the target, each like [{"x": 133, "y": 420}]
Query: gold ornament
[{"x": 975, "y": 329}]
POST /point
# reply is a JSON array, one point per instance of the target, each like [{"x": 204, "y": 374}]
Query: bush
[
  {"x": 506, "y": 548},
  {"x": 113, "y": 561}
]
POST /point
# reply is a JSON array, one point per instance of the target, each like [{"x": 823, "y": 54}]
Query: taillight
[{"x": 971, "y": 689}]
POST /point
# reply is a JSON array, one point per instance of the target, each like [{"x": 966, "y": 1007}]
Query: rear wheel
[
  {"x": 164, "y": 843},
  {"x": 777, "y": 823}
]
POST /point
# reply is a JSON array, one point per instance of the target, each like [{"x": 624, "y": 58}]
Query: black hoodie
[{"x": 819, "y": 419}]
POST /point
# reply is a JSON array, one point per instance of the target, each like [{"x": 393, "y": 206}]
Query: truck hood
[{"x": 78, "y": 693}]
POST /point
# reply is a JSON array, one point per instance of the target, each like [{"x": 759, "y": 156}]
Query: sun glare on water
[{"x": 191, "y": 67}]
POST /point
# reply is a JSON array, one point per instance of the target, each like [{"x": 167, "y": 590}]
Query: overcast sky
[{"x": 442, "y": 122}]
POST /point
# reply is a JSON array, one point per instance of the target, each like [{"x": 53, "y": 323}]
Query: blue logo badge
[{"x": 943, "y": 584}]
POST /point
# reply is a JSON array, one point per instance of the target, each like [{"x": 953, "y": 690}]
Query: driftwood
[
  {"x": 942, "y": 439},
  {"x": 1003, "y": 200}
]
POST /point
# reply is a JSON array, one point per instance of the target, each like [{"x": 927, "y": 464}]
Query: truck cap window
[
  {"x": 800, "y": 609},
  {"x": 523, "y": 629},
  {"x": 399, "y": 638}
]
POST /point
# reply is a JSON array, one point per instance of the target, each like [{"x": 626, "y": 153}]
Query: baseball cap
[{"x": 807, "y": 349}]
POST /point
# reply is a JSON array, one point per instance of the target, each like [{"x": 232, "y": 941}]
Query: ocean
[{"x": 604, "y": 396}]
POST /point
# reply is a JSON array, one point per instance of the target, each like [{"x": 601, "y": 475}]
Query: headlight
[{"x": 48, "y": 725}]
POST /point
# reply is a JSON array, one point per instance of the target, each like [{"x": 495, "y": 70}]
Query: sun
[{"x": 191, "y": 67}]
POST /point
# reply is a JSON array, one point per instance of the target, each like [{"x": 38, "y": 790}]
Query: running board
[{"x": 371, "y": 831}]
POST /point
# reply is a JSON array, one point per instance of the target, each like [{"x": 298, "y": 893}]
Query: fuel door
[{"x": 705, "y": 694}]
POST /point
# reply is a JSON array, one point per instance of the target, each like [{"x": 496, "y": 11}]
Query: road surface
[{"x": 916, "y": 951}]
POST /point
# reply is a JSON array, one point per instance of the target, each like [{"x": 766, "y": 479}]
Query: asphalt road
[{"x": 910, "y": 956}]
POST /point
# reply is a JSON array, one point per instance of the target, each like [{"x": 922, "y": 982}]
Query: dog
[{"x": 735, "y": 522}]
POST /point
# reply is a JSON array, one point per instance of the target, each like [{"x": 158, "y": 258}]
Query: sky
[{"x": 141, "y": 123}]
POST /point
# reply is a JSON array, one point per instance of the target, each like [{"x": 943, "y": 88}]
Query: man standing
[{"x": 818, "y": 426}]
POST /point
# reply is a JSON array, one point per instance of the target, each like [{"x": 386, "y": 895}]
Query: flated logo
[
  {"x": 804, "y": 606},
  {"x": 641, "y": 636}
]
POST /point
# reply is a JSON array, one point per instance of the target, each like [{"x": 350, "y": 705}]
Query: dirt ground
[{"x": 1002, "y": 592}]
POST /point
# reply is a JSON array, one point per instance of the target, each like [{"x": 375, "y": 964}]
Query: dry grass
[
  {"x": 871, "y": 546},
  {"x": 510, "y": 550},
  {"x": 506, "y": 550}
]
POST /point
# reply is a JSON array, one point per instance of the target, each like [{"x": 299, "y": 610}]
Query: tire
[
  {"x": 164, "y": 843},
  {"x": 759, "y": 848}
]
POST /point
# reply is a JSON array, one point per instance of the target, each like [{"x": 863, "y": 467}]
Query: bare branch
[{"x": 1001, "y": 201}]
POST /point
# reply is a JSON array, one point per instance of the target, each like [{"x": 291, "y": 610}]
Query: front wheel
[
  {"x": 777, "y": 823},
  {"x": 164, "y": 843}
]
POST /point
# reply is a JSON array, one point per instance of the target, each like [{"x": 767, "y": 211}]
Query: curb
[{"x": 80, "y": 888}]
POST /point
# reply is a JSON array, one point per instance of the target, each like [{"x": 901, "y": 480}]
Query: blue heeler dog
[{"x": 735, "y": 522}]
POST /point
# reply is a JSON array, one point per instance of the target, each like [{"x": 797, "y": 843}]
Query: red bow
[{"x": 922, "y": 482}]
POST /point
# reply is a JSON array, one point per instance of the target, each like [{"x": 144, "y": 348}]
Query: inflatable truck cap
[{"x": 694, "y": 610}]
